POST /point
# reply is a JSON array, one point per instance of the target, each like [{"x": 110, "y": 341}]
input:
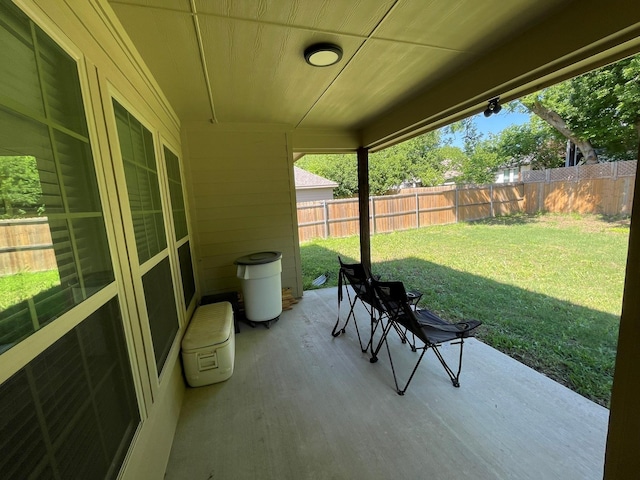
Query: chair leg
[
  {"x": 415, "y": 368},
  {"x": 404, "y": 337},
  {"x": 352, "y": 315},
  {"x": 374, "y": 359},
  {"x": 385, "y": 331},
  {"x": 337, "y": 331},
  {"x": 455, "y": 377},
  {"x": 352, "y": 302}
]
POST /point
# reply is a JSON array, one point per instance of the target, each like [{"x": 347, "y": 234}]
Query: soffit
[{"x": 240, "y": 61}]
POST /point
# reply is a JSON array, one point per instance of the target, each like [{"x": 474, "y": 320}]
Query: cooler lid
[
  {"x": 211, "y": 325},
  {"x": 259, "y": 258}
]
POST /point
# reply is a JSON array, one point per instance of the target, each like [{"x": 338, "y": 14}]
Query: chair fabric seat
[{"x": 423, "y": 324}]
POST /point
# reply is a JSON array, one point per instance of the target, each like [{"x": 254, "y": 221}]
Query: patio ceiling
[{"x": 408, "y": 65}]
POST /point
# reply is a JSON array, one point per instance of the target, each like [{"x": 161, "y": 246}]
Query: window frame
[
  {"x": 176, "y": 243},
  {"x": 154, "y": 380},
  {"x": 18, "y": 356}
]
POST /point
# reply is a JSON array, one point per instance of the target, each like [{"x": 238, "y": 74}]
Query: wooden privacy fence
[
  {"x": 603, "y": 188},
  {"x": 412, "y": 209},
  {"x": 26, "y": 246}
]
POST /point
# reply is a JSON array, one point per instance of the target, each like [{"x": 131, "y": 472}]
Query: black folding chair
[
  {"x": 430, "y": 329},
  {"x": 358, "y": 278}
]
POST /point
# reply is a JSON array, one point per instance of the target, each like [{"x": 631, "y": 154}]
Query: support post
[
  {"x": 363, "y": 202},
  {"x": 621, "y": 458}
]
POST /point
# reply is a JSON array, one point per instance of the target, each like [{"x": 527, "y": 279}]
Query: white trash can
[{"x": 261, "y": 285}]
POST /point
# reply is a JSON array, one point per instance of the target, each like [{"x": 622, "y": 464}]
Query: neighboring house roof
[{"x": 306, "y": 179}]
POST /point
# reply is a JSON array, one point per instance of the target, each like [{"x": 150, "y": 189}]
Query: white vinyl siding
[{"x": 240, "y": 213}]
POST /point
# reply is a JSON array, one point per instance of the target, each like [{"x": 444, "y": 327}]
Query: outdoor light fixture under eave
[
  {"x": 323, "y": 54},
  {"x": 493, "y": 107}
]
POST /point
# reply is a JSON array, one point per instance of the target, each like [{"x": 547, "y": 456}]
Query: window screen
[
  {"x": 138, "y": 157},
  {"x": 143, "y": 189},
  {"x": 161, "y": 308},
  {"x": 175, "y": 191},
  {"x": 71, "y": 412},
  {"x": 53, "y": 243},
  {"x": 186, "y": 270},
  {"x": 180, "y": 224}
]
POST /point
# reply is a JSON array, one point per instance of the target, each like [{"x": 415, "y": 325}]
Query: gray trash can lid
[{"x": 259, "y": 258}]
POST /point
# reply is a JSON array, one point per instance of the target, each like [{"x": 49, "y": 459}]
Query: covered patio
[
  {"x": 165, "y": 134},
  {"x": 302, "y": 404}
]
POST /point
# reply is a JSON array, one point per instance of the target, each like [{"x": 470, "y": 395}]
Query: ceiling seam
[
  {"x": 292, "y": 26},
  {"x": 152, "y": 7},
  {"x": 203, "y": 61},
  {"x": 364, "y": 42},
  {"x": 330, "y": 32}
]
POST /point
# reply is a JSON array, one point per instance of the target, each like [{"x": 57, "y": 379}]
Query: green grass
[
  {"x": 548, "y": 287},
  {"x": 22, "y": 286}
]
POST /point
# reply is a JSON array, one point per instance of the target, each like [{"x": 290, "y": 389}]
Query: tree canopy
[
  {"x": 19, "y": 184},
  {"x": 425, "y": 159},
  {"x": 598, "y": 111},
  {"x": 534, "y": 143}
]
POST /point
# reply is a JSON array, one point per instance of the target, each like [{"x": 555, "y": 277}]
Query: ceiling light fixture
[
  {"x": 323, "y": 54},
  {"x": 493, "y": 107}
]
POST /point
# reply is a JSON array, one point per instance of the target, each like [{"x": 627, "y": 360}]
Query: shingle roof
[{"x": 306, "y": 179}]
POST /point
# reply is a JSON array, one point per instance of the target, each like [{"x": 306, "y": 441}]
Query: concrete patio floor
[{"x": 304, "y": 405}]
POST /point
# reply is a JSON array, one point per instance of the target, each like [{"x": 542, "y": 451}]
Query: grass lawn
[
  {"x": 548, "y": 288},
  {"x": 22, "y": 286}
]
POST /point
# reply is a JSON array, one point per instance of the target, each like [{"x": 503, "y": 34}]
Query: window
[
  {"x": 143, "y": 190},
  {"x": 138, "y": 157},
  {"x": 54, "y": 252},
  {"x": 180, "y": 225},
  {"x": 71, "y": 412}
]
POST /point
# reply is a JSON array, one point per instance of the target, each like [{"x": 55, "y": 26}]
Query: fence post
[
  {"x": 326, "y": 218},
  {"x": 491, "y": 212},
  {"x": 417, "y": 211},
  {"x": 614, "y": 170},
  {"x": 373, "y": 214},
  {"x": 456, "y": 203}
]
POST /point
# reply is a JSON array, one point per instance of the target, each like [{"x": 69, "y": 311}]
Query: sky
[
  {"x": 499, "y": 121},
  {"x": 495, "y": 123}
]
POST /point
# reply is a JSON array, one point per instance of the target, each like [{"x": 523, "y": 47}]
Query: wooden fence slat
[{"x": 26, "y": 246}]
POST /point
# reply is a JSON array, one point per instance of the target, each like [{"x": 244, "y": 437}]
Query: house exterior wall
[
  {"x": 242, "y": 195},
  {"x": 109, "y": 67},
  {"x": 314, "y": 194}
]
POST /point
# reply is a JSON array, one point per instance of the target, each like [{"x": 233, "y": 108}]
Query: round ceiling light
[{"x": 323, "y": 54}]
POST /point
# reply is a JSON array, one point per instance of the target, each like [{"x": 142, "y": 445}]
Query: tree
[
  {"x": 19, "y": 183},
  {"x": 469, "y": 130},
  {"x": 341, "y": 168},
  {"x": 418, "y": 159},
  {"x": 599, "y": 110},
  {"x": 534, "y": 143},
  {"x": 481, "y": 166}
]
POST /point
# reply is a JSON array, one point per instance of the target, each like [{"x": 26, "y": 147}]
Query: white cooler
[{"x": 208, "y": 346}]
